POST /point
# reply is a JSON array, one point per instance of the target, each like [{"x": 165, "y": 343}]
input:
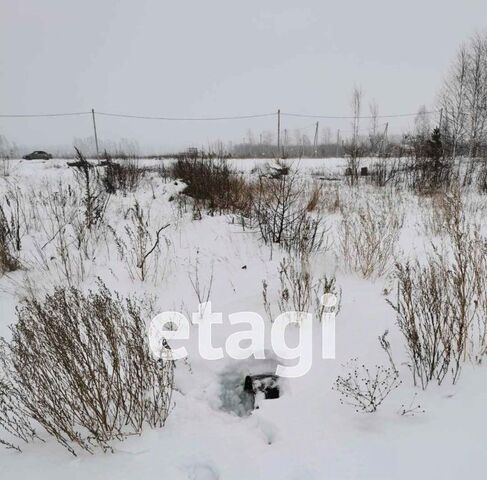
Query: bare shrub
[
  {"x": 442, "y": 306},
  {"x": 201, "y": 288},
  {"x": 331, "y": 199},
  {"x": 213, "y": 185},
  {"x": 445, "y": 213},
  {"x": 9, "y": 241},
  {"x": 314, "y": 199},
  {"x": 482, "y": 177},
  {"x": 95, "y": 198},
  {"x": 296, "y": 287},
  {"x": 299, "y": 290},
  {"x": 424, "y": 318},
  {"x": 385, "y": 171},
  {"x": 366, "y": 389},
  {"x": 80, "y": 367},
  {"x": 142, "y": 249},
  {"x": 68, "y": 245},
  {"x": 4, "y": 166},
  {"x": 412, "y": 408},
  {"x": 367, "y": 237},
  {"x": 125, "y": 176},
  {"x": 430, "y": 169},
  {"x": 432, "y": 211},
  {"x": 12, "y": 420},
  {"x": 280, "y": 212}
]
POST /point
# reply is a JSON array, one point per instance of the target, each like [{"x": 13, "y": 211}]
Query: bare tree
[
  {"x": 354, "y": 148},
  {"x": 374, "y": 135},
  {"x": 476, "y": 92},
  {"x": 463, "y": 98}
]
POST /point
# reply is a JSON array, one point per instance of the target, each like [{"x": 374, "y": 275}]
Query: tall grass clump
[
  {"x": 442, "y": 304},
  {"x": 213, "y": 185},
  {"x": 78, "y": 367},
  {"x": 9, "y": 244},
  {"x": 125, "y": 176},
  {"x": 367, "y": 237}
]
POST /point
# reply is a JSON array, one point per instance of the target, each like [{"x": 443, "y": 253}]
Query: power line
[
  {"x": 35, "y": 115},
  {"x": 330, "y": 117},
  {"x": 206, "y": 118},
  {"x": 187, "y": 119}
]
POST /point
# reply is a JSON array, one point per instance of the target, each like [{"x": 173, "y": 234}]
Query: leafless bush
[
  {"x": 95, "y": 198},
  {"x": 12, "y": 416},
  {"x": 385, "y": 171},
  {"x": 296, "y": 287},
  {"x": 201, "y": 288},
  {"x": 424, "y": 318},
  {"x": 125, "y": 176},
  {"x": 444, "y": 212},
  {"x": 386, "y": 347},
  {"x": 299, "y": 290},
  {"x": 429, "y": 169},
  {"x": 280, "y": 212},
  {"x": 143, "y": 247},
  {"x": 213, "y": 185},
  {"x": 59, "y": 213},
  {"x": 314, "y": 198},
  {"x": 80, "y": 367},
  {"x": 411, "y": 409},
  {"x": 429, "y": 176},
  {"x": 482, "y": 177},
  {"x": 367, "y": 237},
  {"x": 14, "y": 204},
  {"x": 4, "y": 166},
  {"x": 331, "y": 199},
  {"x": 9, "y": 241},
  {"x": 432, "y": 213},
  {"x": 365, "y": 389},
  {"x": 442, "y": 305}
]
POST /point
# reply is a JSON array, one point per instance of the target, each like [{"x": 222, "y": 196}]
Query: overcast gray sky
[{"x": 216, "y": 57}]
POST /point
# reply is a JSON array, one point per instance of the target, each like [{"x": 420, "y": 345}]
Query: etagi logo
[{"x": 168, "y": 327}]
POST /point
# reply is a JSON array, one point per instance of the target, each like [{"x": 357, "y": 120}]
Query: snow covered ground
[{"x": 306, "y": 433}]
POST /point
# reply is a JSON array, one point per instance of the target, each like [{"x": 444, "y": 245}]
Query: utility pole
[
  {"x": 316, "y": 139},
  {"x": 384, "y": 139},
  {"x": 94, "y": 128},
  {"x": 338, "y": 142},
  {"x": 278, "y": 131},
  {"x": 441, "y": 119}
]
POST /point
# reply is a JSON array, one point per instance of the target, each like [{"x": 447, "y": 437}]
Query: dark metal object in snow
[{"x": 268, "y": 384}]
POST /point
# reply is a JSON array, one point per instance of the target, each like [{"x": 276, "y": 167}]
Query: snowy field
[{"x": 307, "y": 433}]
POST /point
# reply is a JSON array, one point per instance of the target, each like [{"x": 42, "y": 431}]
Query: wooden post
[
  {"x": 316, "y": 139},
  {"x": 94, "y": 128},
  {"x": 278, "y": 131}
]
